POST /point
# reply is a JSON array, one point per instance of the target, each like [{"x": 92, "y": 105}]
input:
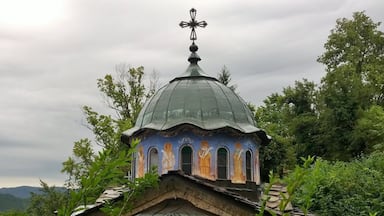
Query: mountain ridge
[
  {"x": 18, "y": 198},
  {"x": 10, "y": 202},
  {"x": 23, "y": 192}
]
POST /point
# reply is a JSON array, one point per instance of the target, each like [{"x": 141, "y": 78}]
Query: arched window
[
  {"x": 248, "y": 165},
  {"x": 153, "y": 159},
  {"x": 222, "y": 163},
  {"x": 186, "y": 160}
]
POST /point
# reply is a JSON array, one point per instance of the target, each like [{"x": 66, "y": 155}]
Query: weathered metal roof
[
  {"x": 230, "y": 191},
  {"x": 195, "y": 98}
]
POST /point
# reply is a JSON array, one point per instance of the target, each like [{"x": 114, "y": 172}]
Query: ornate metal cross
[{"x": 193, "y": 24}]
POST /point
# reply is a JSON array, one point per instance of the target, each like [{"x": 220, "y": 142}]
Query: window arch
[
  {"x": 222, "y": 163},
  {"x": 248, "y": 165},
  {"x": 153, "y": 159},
  {"x": 186, "y": 160}
]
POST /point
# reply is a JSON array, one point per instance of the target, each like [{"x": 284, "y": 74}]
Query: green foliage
[
  {"x": 296, "y": 180},
  {"x": 271, "y": 117},
  {"x": 343, "y": 96},
  {"x": 9, "y": 202},
  {"x": 77, "y": 165},
  {"x": 107, "y": 131},
  {"x": 354, "y": 60},
  {"x": 47, "y": 202},
  {"x": 13, "y": 213},
  {"x": 341, "y": 118},
  {"x": 105, "y": 171},
  {"x": 342, "y": 188},
  {"x": 338, "y": 188},
  {"x": 359, "y": 44},
  {"x": 136, "y": 188},
  {"x": 290, "y": 119},
  {"x": 91, "y": 173},
  {"x": 301, "y": 100},
  {"x": 370, "y": 129},
  {"x": 124, "y": 95},
  {"x": 273, "y": 179},
  {"x": 293, "y": 182},
  {"x": 225, "y": 77}
]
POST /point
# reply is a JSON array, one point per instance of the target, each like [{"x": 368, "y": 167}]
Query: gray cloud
[{"x": 48, "y": 72}]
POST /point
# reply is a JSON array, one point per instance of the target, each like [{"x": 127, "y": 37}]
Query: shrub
[{"x": 344, "y": 188}]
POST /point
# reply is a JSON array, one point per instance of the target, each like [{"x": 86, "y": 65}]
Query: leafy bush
[{"x": 344, "y": 188}]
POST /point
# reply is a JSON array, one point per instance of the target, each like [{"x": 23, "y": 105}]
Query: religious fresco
[
  {"x": 168, "y": 160},
  {"x": 204, "y": 155},
  {"x": 140, "y": 162},
  {"x": 238, "y": 165},
  {"x": 257, "y": 167},
  {"x": 204, "y": 149}
]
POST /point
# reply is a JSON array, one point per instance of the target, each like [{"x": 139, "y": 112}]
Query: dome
[{"x": 197, "y": 99}]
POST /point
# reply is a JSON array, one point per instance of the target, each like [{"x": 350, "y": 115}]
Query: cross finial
[
  {"x": 193, "y": 24},
  {"x": 193, "y": 58}
]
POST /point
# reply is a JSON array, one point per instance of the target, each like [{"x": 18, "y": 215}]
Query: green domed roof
[{"x": 197, "y": 99}]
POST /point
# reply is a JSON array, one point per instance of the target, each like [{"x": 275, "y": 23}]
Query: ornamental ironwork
[{"x": 193, "y": 24}]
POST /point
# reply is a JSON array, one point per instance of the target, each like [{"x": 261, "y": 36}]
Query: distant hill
[
  {"x": 21, "y": 192},
  {"x": 10, "y": 202},
  {"x": 17, "y": 198}
]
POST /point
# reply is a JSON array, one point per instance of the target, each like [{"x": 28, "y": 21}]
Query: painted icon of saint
[
  {"x": 238, "y": 173},
  {"x": 140, "y": 162},
  {"x": 205, "y": 159},
  {"x": 168, "y": 161},
  {"x": 257, "y": 167}
]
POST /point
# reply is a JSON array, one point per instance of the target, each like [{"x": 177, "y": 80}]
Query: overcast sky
[{"x": 52, "y": 52}]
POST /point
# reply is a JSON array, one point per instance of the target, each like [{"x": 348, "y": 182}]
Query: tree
[
  {"x": 89, "y": 173},
  {"x": 354, "y": 60},
  {"x": 125, "y": 95},
  {"x": 225, "y": 77},
  {"x": 370, "y": 129},
  {"x": 302, "y": 102},
  {"x": 106, "y": 170},
  {"x": 272, "y": 117},
  {"x": 48, "y": 202},
  {"x": 290, "y": 119},
  {"x": 358, "y": 45}
]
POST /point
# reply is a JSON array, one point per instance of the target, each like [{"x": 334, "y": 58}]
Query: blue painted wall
[{"x": 169, "y": 154}]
